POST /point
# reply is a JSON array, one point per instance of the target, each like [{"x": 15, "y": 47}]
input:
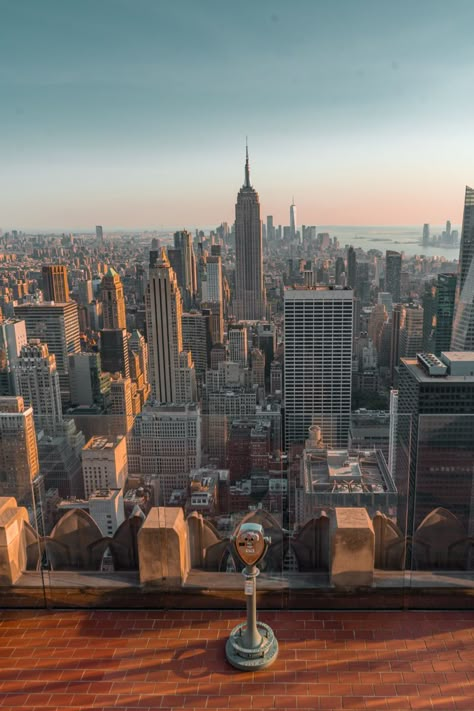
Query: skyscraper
[
  {"x": 363, "y": 283},
  {"x": 238, "y": 344},
  {"x": 183, "y": 262},
  {"x": 55, "y": 284},
  {"x": 114, "y": 351},
  {"x": 37, "y": 382},
  {"x": 163, "y": 311},
  {"x": 113, "y": 302},
  {"x": 138, "y": 345},
  {"x": 351, "y": 268},
  {"x": 197, "y": 339},
  {"x": 12, "y": 338},
  {"x": 293, "y": 227},
  {"x": 318, "y": 363},
  {"x": 466, "y": 252},
  {"x": 19, "y": 463},
  {"x": 425, "y": 240},
  {"x": 445, "y": 302},
  {"x": 393, "y": 273},
  {"x": 266, "y": 339},
  {"x": 270, "y": 228},
  {"x": 213, "y": 297},
  {"x": 99, "y": 233},
  {"x": 411, "y": 333},
  {"x": 448, "y": 231},
  {"x": 57, "y": 325},
  {"x": 249, "y": 286},
  {"x": 435, "y": 448},
  {"x": 428, "y": 302},
  {"x": 339, "y": 271},
  {"x": 463, "y": 326},
  {"x": 89, "y": 385},
  {"x": 396, "y": 324},
  {"x": 212, "y": 292},
  {"x": 167, "y": 370},
  {"x": 85, "y": 292},
  {"x": 121, "y": 417}
]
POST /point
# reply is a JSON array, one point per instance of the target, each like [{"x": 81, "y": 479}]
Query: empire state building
[{"x": 250, "y": 293}]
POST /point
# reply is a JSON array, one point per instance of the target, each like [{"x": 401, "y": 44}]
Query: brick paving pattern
[{"x": 175, "y": 660}]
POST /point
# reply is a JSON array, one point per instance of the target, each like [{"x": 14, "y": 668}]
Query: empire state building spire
[
  {"x": 247, "y": 167},
  {"x": 249, "y": 298}
]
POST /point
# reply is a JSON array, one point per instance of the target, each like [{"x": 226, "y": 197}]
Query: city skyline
[{"x": 109, "y": 120}]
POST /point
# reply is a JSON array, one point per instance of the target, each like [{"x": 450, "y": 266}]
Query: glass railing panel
[
  {"x": 141, "y": 511},
  {"x": 441, "y": 507}
]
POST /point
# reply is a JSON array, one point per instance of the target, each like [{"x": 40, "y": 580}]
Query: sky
[{"x": 134, "y": 113}]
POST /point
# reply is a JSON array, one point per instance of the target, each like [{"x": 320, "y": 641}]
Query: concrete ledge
[
  {"x": 163, "y": 547},
  {"x": 352, "y": 548},
  {"x": 203, "y": 590}
]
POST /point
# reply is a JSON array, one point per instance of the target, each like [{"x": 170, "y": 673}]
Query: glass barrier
[{"x": 140, "y": 511}]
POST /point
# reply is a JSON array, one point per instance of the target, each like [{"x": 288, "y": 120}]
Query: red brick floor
[{"x": 175, "y": 660}]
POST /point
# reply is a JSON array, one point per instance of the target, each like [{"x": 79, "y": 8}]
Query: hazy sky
[{"x": 135, "y": 112}]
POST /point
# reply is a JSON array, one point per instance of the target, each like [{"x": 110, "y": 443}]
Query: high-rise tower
[
  {"x": 434, "y": 440},
  {"x": 55, "y": 284},
  {"x": 411, "y": 334},
  {"x": 445, "y": 301},
  {"x": 393, "y": 273},
  {"x": 12, "y": 338},
  {"x": 249, "y": 288},
  {"x": 293, "y": 219},
  {"x": 165, "y": 341},
  {"x": 172, "y": 375},
  {"x": 183, "y": 262},
  {"x": 113, "y": 302},
  {"x": 58, "y": 326},
  {"x": 463, "y": 326},
  {"x": 318, "y": 363},
  {"x": 19, "y": 463},
  {"x": 351, "y": 267},
  {"x": 466, "y": 252},
  {"x": 38, "y": 384}
]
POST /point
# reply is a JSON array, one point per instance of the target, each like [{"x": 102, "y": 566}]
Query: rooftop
[
  {"x": 449, "y": 370},
  {"x": 101, "y": 442},
  {"x": 175, "y": 660},
  {"x": 339, "y": 471}
]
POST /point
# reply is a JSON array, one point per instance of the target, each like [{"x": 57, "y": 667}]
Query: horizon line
[{"x": 168, "y": 228}]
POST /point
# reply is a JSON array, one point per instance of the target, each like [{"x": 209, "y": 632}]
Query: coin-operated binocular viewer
[{"x": 252, "y": 644}]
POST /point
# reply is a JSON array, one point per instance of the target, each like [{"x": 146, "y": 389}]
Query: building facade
[
  {"x": 435, "y": 443},
  {"x": 113, "y": 301},
  {"x": 393, "y": 274},
  {"x": 37, "y": 381},
  {"x": 55, "y": 283},
  {"x": 165, "y": 445},
  {"x": 57, "y": 325},
  {"x": 318, "y": 363},
  {"x": 104, "y": 464},
  {"x": 19, "y": 462},
  {"x": 445, "y": 303}
]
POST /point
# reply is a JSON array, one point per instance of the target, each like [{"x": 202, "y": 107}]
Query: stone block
[
  {"x": 163, "y": 547},
  {"x": 352, "y": 548},
  {"x": 12, "y": 545}
]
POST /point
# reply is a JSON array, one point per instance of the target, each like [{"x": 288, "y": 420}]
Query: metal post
[
  {"x": 252, "y": 637},
  {"x": 251, "y": 645}
]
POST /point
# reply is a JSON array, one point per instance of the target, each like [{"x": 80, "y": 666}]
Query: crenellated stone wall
[{"x": 345, "y": 548}]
